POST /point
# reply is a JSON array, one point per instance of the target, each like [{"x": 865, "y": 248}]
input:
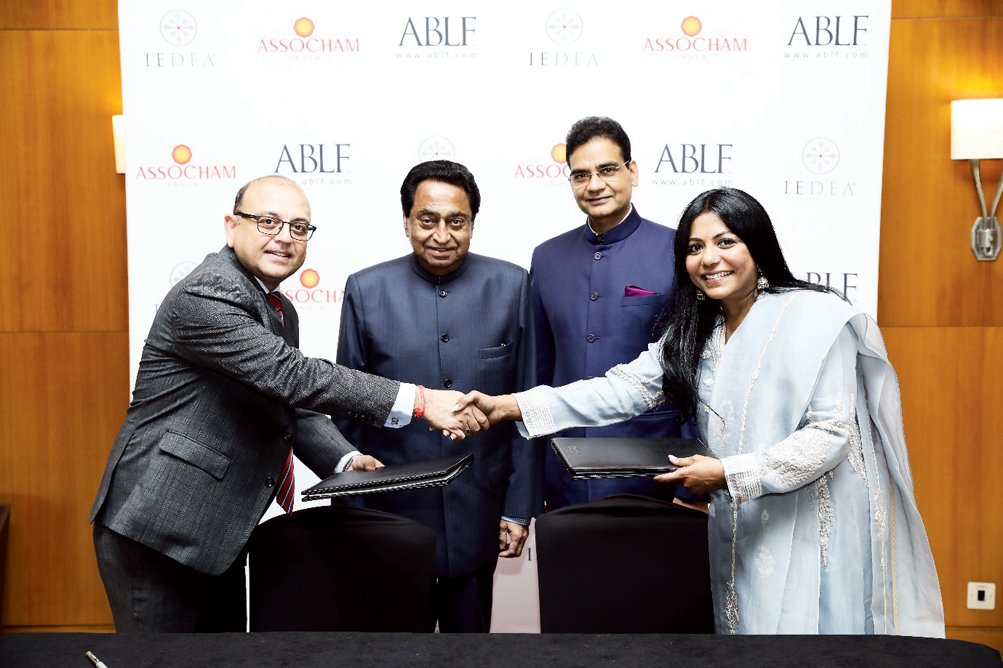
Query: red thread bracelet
[{"x": 419, "y": 410}]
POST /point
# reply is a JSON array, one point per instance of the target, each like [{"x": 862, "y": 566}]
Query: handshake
[{"x": 460, "y": 415}]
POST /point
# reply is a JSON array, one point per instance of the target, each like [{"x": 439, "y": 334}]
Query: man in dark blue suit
[
  {"x": 445, "y": 318},
  {"x": 597, "y": 291}
]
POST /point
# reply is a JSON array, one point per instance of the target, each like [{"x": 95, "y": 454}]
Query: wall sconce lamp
[
  {"x": 118, "y": 134},
  {"x": 977, "y": 134}
]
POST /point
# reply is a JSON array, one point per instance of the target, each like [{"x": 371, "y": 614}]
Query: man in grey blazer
[
  {"x": 448, "y": 318},
  {"x": 222, "y": 396}
]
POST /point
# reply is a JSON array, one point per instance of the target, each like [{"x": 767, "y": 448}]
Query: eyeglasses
[
  {"x": 606, "y": 172},
  {"x": 271, "y": 226}
]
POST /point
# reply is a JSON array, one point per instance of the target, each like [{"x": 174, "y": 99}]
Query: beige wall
[{"x": 64, "y": 379}]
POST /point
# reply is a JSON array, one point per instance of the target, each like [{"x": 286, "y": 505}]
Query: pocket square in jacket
[{"x": 634, "y": 291}]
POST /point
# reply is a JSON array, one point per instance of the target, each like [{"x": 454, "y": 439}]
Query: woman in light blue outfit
[{"x": 813, "y": 524}]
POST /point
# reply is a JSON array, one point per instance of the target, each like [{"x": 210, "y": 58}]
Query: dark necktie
[
  {"x": 274, "y": 300},
  {"x": 284, "y": 495}
]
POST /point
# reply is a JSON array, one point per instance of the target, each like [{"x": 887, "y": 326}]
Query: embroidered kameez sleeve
[
  {"x": 624, "y": 391},
  {"x": 827, "y": 435}
]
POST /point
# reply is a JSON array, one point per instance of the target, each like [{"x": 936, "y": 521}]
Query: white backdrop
[{"x": 785, "y": 100}]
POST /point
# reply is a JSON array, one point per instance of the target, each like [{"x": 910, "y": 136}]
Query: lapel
[{"x": 289, "y": 332}]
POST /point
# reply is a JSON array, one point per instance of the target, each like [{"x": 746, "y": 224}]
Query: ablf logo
[
  {"x": 438, "y": 37},
  {"x": 554, "y": 172},
  {"x": 303, "y": 41},
  {"x": 183, "y": 170},
  {"x": 691, "y": 41},
  {"x": 315, "y": 164},
  {"x": 179, "y": 32},
  {"x": 844, "y": 281},
  {"x": 689, "y": 164},
  {"x": 829, "y": 37},
  {"x": 564, "y": 28},
  {"x": 820, "y": 160},
  {"x": 309, "y": 292}
]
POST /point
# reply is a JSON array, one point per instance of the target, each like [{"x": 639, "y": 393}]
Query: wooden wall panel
[
  {"x": 63, "y": 399},
  {"x": 59, "y": 15},
  {"x": 59, "y": 96},
  {"x": 991, "y": 637},
  {"x": 911, "y": 9},
  {"x": 64, "y": 383},
  {"x": 928, "y": 275},
  {"x": 939, "y": 308},
  {"x": 949, "y": 379}
]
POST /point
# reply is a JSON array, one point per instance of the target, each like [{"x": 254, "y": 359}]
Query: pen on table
[{"x": 98, "y": 663}]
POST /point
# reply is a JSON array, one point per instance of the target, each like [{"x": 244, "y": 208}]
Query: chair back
[
  {"x": 340, "y": 569},
  {"x": 624, "y": 564}
]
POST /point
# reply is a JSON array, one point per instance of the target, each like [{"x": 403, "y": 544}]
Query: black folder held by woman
[{"x": 612, "y": 457}]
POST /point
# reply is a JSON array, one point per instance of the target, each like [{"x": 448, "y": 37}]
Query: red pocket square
[{"x": 634, "y": 291}]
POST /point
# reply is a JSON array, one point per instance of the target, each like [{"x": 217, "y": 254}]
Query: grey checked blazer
[{"x": 222, "y": 393}]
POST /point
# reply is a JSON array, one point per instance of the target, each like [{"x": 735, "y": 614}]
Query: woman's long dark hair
[{"x": 690, "y": 322}]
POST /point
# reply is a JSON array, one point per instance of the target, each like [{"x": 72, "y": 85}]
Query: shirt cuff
[
  {"x": 516, "y": 520},
  {"x": 742, "y": 474},
  {"x": 400, "y": 414},
  {"x": 343, "y": 462}
]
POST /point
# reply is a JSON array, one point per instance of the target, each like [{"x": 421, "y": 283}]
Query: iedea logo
[
  {"x": 179, "y": 31},
  {"x": 564, "y": 28}
]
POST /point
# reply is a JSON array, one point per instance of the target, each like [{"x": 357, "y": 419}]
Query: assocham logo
[
  {"x": 310, "y": 294},
  {"x": 182, "y": 171},
  {"x": 305, "y": 42},
  {"x": 693, "y": 42},
  {"x": 553, "y": 173}
]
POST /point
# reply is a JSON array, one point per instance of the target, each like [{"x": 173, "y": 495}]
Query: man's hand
[
  {"x": 363, "y": 463},
  {"x": 440, "y": 414},
  {"x": 511, "y": 539},
  {"x": 697, "y": 473},
  {"x": 493, "y": 408}
]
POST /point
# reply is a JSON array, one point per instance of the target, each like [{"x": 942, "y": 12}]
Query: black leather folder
[
  {"x": 612, "y": 457},
  {"x": 429, "y": 473}
]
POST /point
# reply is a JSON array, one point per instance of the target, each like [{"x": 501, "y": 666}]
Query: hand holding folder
[
  {"x": 434, "y": 472},
  {"x": 613, "y": 457}
]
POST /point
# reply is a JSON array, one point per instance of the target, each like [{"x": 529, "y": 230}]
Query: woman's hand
[
  {"x": 495, "y": 408},
  {"x": 697, "y": 473}
]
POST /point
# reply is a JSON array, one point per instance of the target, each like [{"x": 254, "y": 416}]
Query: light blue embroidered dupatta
[
  {"x": 823, "y": 534},
  {"x": 818, "y": 531}
]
